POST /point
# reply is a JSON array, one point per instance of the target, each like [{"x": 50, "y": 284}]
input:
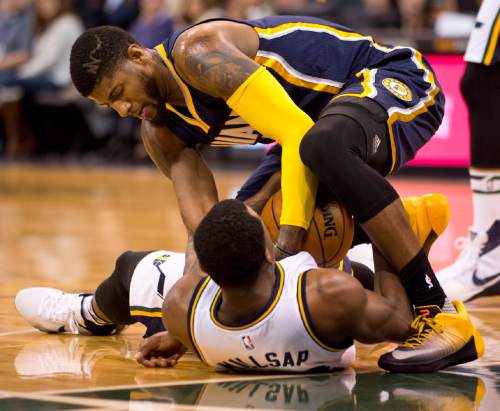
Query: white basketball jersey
[
  {"x": 483, "y": 46},
  {"x": 281, "y": 338}
]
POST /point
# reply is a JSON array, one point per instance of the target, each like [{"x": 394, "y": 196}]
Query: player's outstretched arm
[
  {"x": 160, "y": 350},
  {"x": 218, "y": 59},
  {"x": 165, "y": 348},
  {"x": 340, "y": 307},
  {"x": 259, "y": 200},
  {"x": 193, "y": 181}
]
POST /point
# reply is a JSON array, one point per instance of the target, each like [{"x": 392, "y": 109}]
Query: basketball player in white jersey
[
  {"x": 256, "y": 314},
  {"x": 134, "y": 292},
  {"x": 476, "y": 272}
]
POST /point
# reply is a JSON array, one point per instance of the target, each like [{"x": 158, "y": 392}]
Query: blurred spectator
[
  {"x": 121, "y": 13},
  {"x": 414, "y": 15},
  {"x": 248, "y": 9},
  {"x": 199, "y": 10},
  {"x": 382, "y": 13},
  {"x": 154, "y": 23},
  {"x": 91, "y": 12},
  {"x": 55, "y": 28},
  {"x": 15, "y": 35},
  {"x": 288, "y": 6}
]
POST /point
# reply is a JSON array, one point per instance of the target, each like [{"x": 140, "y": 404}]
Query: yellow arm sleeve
[{"x": 266, "y": 106}]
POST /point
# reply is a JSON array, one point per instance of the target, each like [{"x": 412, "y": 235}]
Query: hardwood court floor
[{"x": 63, "y": 227}]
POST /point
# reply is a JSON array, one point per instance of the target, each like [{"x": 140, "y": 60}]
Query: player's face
[{"x": 131, "y": 91}]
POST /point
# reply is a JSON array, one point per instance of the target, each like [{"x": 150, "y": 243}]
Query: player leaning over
[{"x": 350, "y": 109}]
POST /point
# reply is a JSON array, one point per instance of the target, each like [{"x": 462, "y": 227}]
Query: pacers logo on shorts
[{"x": 398, "y": 88}]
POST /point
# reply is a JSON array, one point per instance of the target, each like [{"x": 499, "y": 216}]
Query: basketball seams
[{"x": 321, "y": 248}]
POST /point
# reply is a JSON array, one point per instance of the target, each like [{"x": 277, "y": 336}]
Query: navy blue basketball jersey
[{"x": 315, "y": 61}]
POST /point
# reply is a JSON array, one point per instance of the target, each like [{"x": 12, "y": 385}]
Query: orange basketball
[{"x": 330, "y": 233}]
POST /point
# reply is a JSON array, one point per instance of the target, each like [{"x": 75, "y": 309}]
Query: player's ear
[
  {"x": 136, "y": 53},
  {"x": 269, "y": 256}
]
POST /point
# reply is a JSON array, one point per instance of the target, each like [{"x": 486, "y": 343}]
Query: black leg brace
[
  {"x": 349, "y": 150},
  {"x": 112, "y": 295}
]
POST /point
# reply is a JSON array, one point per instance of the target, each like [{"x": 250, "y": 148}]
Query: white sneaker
[
  {"x": 51, "y": 310},
  {"x": 477, "y": 268}
]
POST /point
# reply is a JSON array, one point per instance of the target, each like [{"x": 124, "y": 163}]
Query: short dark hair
[
  {"x": 230, "y": 244},
  {"x": 96, "y": 53}
]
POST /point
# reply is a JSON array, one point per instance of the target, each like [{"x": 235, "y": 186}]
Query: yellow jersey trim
[
  {"x": 421, "y": 107},
  {"x": 138, "y": 313},
  {"x": 283, "y": 29},
  {"x": 191, "y": 311},
  {"x": 304, "y": 317},
  {"x": 196, "y": 121},
  {"x": 281, "y": 282},
  {"x": 367, "y": 85},
  {"x": 484, "y": 169},
  {"x": 285, "y": 73},
  {"x": 495, "y": 33}
]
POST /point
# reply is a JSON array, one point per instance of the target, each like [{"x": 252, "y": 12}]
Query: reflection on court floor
[{"x": 338, "y": 391}]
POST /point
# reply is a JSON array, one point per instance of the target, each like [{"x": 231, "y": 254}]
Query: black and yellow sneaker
[{"x": 440, "y": 340}]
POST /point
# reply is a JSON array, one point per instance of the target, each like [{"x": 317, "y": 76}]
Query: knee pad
[
  {"x": 333, "y": 139},
  {"x": 356, "y": 127}
]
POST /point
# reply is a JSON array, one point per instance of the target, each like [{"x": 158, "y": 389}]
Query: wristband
[{"x": 283, "y": 251}]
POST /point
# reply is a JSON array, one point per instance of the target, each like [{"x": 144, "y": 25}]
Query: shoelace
[
  {"x": 422, "y": 326},
  {"x": 55, "y": 308}
]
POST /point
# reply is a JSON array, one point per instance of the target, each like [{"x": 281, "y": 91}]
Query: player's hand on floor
[{"x": 160, "y": 350}]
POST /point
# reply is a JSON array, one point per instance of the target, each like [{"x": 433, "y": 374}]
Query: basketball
[{"x": 330, "y": 233}]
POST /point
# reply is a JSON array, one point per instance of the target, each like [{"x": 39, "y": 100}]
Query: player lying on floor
[
  {"x": 316, "y": 321},
  {"x": 255, "y": 314},
  {"x": 134, "y": 292}
]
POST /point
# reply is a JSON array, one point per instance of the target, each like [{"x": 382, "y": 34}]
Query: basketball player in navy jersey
[{"x": 345, "y": 109}]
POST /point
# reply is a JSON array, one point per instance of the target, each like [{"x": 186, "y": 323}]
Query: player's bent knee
[
  {"x": 328, "y": 146},
  {"x": 309, "y": 149}
]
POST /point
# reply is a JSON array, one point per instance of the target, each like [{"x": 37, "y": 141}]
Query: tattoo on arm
[{"x": 217, "y": 70}]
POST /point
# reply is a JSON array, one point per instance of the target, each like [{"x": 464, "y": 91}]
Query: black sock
[{"x": 420, "y": 282}]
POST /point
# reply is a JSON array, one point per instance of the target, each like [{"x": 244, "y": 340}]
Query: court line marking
[
  {"x": 124, "y": 404},
  {"x": 169, "y": 384}
]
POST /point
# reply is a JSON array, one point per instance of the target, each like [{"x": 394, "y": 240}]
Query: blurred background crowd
[{"x": 42, "y": 116}]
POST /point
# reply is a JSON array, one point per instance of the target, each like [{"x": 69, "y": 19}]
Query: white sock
[
  {"x": 89, "y": 314},
  {"x": 485, "y": 185}
]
